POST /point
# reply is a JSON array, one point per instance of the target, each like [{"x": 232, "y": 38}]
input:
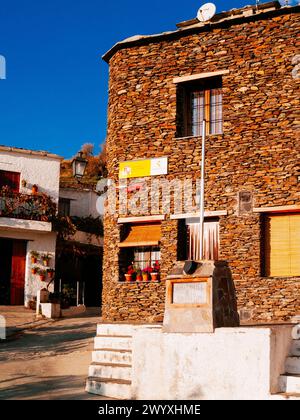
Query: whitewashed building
[
  {"x": 79, "y": 254},
  {"x": 29, "y": 193}
]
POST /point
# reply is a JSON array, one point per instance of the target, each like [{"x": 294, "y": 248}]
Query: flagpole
[{"x": 202, "y": 192}]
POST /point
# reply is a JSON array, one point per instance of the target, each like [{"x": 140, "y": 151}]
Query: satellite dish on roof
[{"x": 206, "y": 12}]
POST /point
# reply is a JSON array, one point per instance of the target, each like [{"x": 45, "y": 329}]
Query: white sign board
[{"x": 190, "y": 293}]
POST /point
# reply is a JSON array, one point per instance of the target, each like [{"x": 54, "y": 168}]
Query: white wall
[
  {"x": 83, "y": 202},
  {"x": 44, "y": 171},
  {"x": 43, "y": 243},
  {"x": 233, "y": 363}
]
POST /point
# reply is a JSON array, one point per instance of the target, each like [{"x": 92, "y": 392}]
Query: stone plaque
[{"x": 190, "y": 293}]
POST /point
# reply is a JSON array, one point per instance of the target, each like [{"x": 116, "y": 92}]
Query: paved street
[{"x": 48, "y": 361}]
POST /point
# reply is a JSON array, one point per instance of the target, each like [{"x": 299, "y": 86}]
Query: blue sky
[{"x": 55, "y": 94}]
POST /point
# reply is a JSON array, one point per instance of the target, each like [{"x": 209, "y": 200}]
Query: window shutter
[
  {"x": 182, "y": 112},
  {"x": 283, "y": 246},
  {"x": 295, "y": 244}
]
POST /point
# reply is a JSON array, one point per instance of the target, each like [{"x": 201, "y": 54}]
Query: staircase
[
  {"x": 290, "y": 382},
  {"x": 110, "y": 371}
]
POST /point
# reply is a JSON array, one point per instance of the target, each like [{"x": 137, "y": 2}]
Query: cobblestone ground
[{"x": 49, "y": 360}]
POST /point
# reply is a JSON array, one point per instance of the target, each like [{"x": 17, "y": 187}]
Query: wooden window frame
[{"x": 184, "y": 104}]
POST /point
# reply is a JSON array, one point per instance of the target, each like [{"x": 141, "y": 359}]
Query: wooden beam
[
  {"x": 141, "y": 219},
  {"x": 197, "y": 215},
  {"x": 198, "y": 76},
  {"x": 277, "y": 209}
]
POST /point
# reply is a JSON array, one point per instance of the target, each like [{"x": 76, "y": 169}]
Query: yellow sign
[{"x": 143, "y": 168}]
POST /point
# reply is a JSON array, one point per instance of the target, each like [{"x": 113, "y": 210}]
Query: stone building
[{"x": 239, "y": 72}]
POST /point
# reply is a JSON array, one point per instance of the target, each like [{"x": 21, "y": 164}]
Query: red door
[{"x": 17, "y": 281}]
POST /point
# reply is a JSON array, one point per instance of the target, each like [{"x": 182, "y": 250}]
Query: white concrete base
[
  {"x": 232, "y": 363},
  {"x": 144, "y": 363},
  {"x": 51, "y": 310}
]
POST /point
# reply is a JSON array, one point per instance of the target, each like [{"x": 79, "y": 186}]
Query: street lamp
[{"x": 79, "y": 165}]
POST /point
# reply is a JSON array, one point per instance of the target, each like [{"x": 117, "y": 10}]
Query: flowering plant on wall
[
  {"x": 148, "y": 269},
  {"x": 156, "y": 267},
  {"x": 130, "y": 273},
  {"x": 24, "y": 206}
]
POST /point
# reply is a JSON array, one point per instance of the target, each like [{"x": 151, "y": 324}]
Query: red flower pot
[
  {"x": 128, "y": 277},
  {"x": 42, "y": 277},
  {"x": 154, "y": 276}
]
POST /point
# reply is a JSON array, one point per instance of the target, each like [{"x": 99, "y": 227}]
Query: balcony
[{"x": 26, "y": 212}]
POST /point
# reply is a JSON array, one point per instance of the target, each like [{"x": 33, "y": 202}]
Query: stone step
[
  {"x": 112, "y": 356},
  {"x": 110, "y": 342},
  {"x": 114, "y": 329},
  {"x": 120, "y": 329},
  {"x": 110, "y": 371},
  {"x": 290, "y": 384},
  {"x": 295, "y": 349},
  {"x": 106, "y": 387},
  {"x": 293, "y": 365}
]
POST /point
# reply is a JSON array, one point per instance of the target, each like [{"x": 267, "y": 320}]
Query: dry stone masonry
[{"x": 259, "y": 151}]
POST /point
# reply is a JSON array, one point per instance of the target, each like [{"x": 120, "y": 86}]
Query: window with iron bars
[{"x": 198, "y": 101}]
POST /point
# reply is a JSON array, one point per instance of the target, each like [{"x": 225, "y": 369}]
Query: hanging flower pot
[
  {"x": 42, "y": 276},
  {"x": 34, "y": 256},
  {"x": 50, "y": 273},
  {"x": 34, "y": 189},
  {"x": 46, "y": 259},
  {"x": 34, "y": 270}
]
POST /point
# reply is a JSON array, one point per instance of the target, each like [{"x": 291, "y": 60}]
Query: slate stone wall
[{"x": 259, "y": 151}]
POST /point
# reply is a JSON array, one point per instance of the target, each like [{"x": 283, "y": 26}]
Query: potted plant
[
  {"x": 139, "y": 275},
  {"x": 46, "y": 258},
  {"x": 42, "y": 274},
  {"x": 146, "y": 273},
  {"x": 34, "y": 270},
  {"x": 129, "y": 274},
  {"x": 155, "y": 271},
  {"x": 34, "y": 189},
  {"x": 50, "y": 273},
  {"x": 34, "y": 257}
]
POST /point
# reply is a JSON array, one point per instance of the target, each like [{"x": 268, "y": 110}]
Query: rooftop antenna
[{"x": 206, "y": 12}]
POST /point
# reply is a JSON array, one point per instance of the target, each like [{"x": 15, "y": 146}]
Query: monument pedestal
[{"x": 201, "y": 301}]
